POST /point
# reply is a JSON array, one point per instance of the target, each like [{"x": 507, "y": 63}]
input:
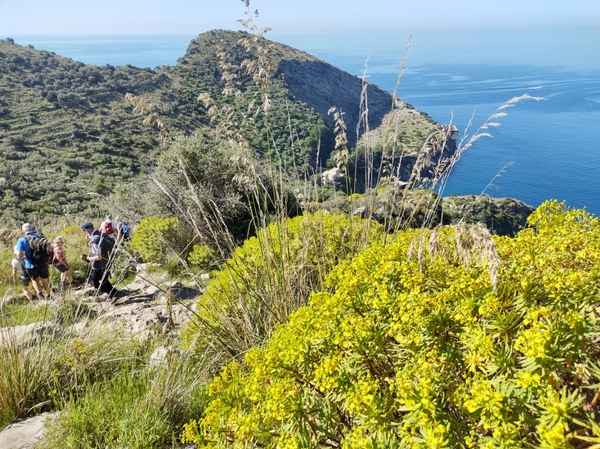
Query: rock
[
  {"x": 158, "y": 356},
  {"x": 331, "y": 176},
  {"x": 29, "y": 334},
  {"x": 366, "y": 213},
  {"x": 23, "y": 434}
]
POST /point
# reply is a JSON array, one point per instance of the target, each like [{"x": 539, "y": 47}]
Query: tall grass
[
  {"x": 270, "y": 277},
  {"x": 138, "y": 407},
  {"x": 24, "y": 374},
  {"x": 42, "y": 367}
]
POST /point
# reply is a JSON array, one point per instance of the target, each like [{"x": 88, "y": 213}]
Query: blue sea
[{"x": 544, "y": 148}]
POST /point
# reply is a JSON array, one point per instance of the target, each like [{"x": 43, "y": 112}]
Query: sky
[{"x": 117, "y": 17}]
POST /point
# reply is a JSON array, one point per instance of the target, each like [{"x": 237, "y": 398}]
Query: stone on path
[{"x": 23, "y": 434}]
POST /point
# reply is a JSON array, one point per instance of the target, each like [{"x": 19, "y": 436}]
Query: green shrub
[
  {"x": 154, "y": 238},
  {"x": 218, "y": 189},
  {"x": 444, "y": 338},
  {"x": 202, "y": 256}
]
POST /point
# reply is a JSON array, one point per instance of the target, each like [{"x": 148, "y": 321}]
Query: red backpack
[{"x": 108, "y": 228}]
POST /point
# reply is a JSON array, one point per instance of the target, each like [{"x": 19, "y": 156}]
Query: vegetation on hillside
[{"x": 69, "y": 136}]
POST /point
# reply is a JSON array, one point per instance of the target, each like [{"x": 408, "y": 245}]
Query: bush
[
  {"x": 202, "y": 256},
  {"x": 155, "y": 237},
  {"x": 428, "y": 342},
  {"x": 195, "y": 181},
  {"x": 218, "y": 189},
  {"x": 270, "y": 276}
]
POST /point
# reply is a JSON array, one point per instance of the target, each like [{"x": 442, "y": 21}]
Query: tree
[{"x": 217, "y": 188}]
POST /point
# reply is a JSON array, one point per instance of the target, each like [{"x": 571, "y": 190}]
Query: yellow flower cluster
[{"x": 427, "y": 342}]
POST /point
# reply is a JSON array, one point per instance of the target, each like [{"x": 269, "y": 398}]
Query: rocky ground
[{"x": 143, "y": 309}]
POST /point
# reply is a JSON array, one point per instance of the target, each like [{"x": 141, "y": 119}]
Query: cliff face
[{"x": 321, "y": 86}]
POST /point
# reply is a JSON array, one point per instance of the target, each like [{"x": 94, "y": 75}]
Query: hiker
[
  {"x": 59, "y": 261},
  {"x": 109, "y": 227},
  {"x": 123, "y": 231},
  {"x": 20, "y": 274},
  {"x": 101, "y": 246},
  {"x": 34, "y": 249}
]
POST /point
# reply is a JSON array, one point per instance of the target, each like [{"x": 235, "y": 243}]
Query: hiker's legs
[
  {"x": 37, "y": 286},
  {"x": 39, "y": 278},
  {"x": 100, "y": 281},
  {"x": 45, "y": 285},
  {"x": 34, "y": 275},
  {"x": 26, "y": 292},
  {"x": 65, "y": 273}
]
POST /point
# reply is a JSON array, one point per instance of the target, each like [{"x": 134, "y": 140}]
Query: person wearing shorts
[
  {"x": 20, "y": 275},
  {"x": 60, "y": 261},
  {"x": 38, "y": 274}
]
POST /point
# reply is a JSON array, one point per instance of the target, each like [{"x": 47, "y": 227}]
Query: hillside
[{"x": 69, "y": 135}]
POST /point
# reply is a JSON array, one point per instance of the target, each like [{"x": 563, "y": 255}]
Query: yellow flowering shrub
[
  {"x": 153, "y": 238},
  {"x": 426, "y": 346},
  {"x": 271, "y": 276}
]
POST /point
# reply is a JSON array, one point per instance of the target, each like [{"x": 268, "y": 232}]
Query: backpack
[
  {"x": 125, "y": 230},
  {"x": 41, "y": 249},
  {"x": 108, "y": 228},
  {"x": 107, "y": 245}
]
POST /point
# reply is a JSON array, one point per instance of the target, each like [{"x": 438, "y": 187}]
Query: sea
[{"x": 546, "y": 146}]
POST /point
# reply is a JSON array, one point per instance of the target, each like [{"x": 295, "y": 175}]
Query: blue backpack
[{"x": 125, "y": 230}]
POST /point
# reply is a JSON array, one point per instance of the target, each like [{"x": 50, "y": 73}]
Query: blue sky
[{"x": 27, "y": 17}]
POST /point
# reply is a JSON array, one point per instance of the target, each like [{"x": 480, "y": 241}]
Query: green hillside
[{"x": 69, "y": 134}]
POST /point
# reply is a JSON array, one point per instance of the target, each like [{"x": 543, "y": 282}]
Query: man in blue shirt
[{"x": 37, "y": 273}]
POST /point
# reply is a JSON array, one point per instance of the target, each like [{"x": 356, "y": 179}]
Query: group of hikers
[{"x": 34, "y": 253}]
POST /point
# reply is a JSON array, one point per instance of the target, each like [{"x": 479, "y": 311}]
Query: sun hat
[{"x": 86, "y": 225}]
